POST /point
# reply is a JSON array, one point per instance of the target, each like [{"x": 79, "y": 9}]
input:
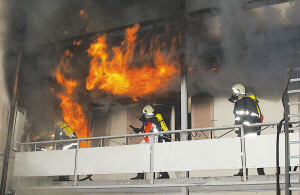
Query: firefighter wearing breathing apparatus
[
  {"x": 63, "y": 131},
  {"x": 246, "y": 111},
  {"x": 151, "y": 123}
]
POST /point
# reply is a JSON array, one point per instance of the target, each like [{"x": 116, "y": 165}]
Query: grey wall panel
[
  {"x": 45, "y": 163},
  {"x": 114, "y": 159},
  {"x": 198, "y": 155},
  {"x": 261, "y": 150}
]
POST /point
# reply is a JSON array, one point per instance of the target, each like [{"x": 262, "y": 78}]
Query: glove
[
  {"x": 258, "y": 120},
  {"x": 136, "y": 130}
]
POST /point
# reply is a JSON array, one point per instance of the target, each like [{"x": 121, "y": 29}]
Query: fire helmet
[
  {"x": 238, "y": 90},
  {"x": 148, "y": 111},
  {"x": 58, "y": 123}
]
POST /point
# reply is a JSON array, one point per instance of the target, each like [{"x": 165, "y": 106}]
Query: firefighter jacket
[
  {"x": 151, "y": 125},
  {"x": 245, "y": 112}
]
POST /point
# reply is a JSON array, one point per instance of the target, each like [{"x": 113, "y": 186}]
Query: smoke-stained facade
[
  {"x": 12, "y": 29},
  {"x": 226, "y": 42}
]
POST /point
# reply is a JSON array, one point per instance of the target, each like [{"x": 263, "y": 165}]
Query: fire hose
[{"x": 87, "y": 177}]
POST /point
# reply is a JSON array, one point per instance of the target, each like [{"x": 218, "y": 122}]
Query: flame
[
  {"x": 119, "y": 77},
  {"x": 71, "y": 110},
  {"x": 117, "y": 73},
  {"x": 76, "y": 43},
  {"x": 83, "y": 13}
]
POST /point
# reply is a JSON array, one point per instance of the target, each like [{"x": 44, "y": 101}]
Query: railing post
[
  {"x": 22, "y": 148},
  {"x": 184, "y": 190},
  {"x": 101, "y": 142},
  {"x": 76, "y": 164},
  {"x": 126, "y": 140},
  {"x": 152, "y": 158},
  {"x": 243, "y": 154}
]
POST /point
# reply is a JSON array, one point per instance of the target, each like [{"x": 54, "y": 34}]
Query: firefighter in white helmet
[
  {"x": 150, "y": 124},
  {"x": 246, "y": 111}
]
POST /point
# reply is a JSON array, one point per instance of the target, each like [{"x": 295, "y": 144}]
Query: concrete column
[
  {"x": 173, "y": 122},
  {"x": 184, "y": 92},
  {"x": 184, "y": 106}
]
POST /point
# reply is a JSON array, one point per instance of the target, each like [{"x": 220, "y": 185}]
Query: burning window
[{"x": 128, "y": 70}]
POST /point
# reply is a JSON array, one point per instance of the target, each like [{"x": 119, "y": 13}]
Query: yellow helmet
[{"x": 238, "y": 90}]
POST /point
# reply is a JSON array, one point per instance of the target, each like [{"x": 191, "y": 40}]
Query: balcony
[{"x": 38, "y": 170}]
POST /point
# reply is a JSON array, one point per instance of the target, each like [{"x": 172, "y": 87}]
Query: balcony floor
[{"x": 172, "y": 185}]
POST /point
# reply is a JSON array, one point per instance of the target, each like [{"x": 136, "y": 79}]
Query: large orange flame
[
  {"x": 118, "y": 76},
  {"x": 71, "y": 110}
]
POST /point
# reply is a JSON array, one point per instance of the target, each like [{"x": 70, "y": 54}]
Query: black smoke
[
  {"x": 225, "y": 46},
  {"x": 257, "y": 48}
]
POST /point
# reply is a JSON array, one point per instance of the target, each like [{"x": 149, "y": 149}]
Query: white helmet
[
  {"x": 239, "y": 90},
  {"x": 58, "y": 123},
  {"x": 148, "y": 111}
]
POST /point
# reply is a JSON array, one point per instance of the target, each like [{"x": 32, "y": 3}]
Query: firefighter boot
[
  {"x": 240, "y": 173},
  {"x": 139, "y": 176},
  {"x": 260, "y": 171},
  {"x": 63, "y": 178},
  {"x": 164, "y": 175},
  {"x": 295, "y": 168}
]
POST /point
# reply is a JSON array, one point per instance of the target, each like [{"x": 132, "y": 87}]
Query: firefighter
[
  {"x": 150, "y": 124},
  {"x": 63, "y": 131},
  {"x": 246, "y": 111}
]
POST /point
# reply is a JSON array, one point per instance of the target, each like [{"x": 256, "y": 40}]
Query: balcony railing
[{"x": 207, "y": 154}]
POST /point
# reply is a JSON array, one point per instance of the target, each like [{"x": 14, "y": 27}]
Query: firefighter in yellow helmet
[
  {"x": 63, "y": 131},
  {"x": 246, "y": 111},
  {"x": 151, "y": 123}
]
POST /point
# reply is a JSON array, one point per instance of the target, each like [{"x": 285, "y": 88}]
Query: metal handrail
[
  {"x": 152, "y": 133},
  {"x": 152, "y": 137}
]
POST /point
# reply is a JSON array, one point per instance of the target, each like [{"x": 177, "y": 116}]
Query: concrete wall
[
  {"x": 6, "y": 30},
  {"x": 4, "y": 98},
  {"x": 202, "y": 113},
  {"x": 118, "y": 124}
]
